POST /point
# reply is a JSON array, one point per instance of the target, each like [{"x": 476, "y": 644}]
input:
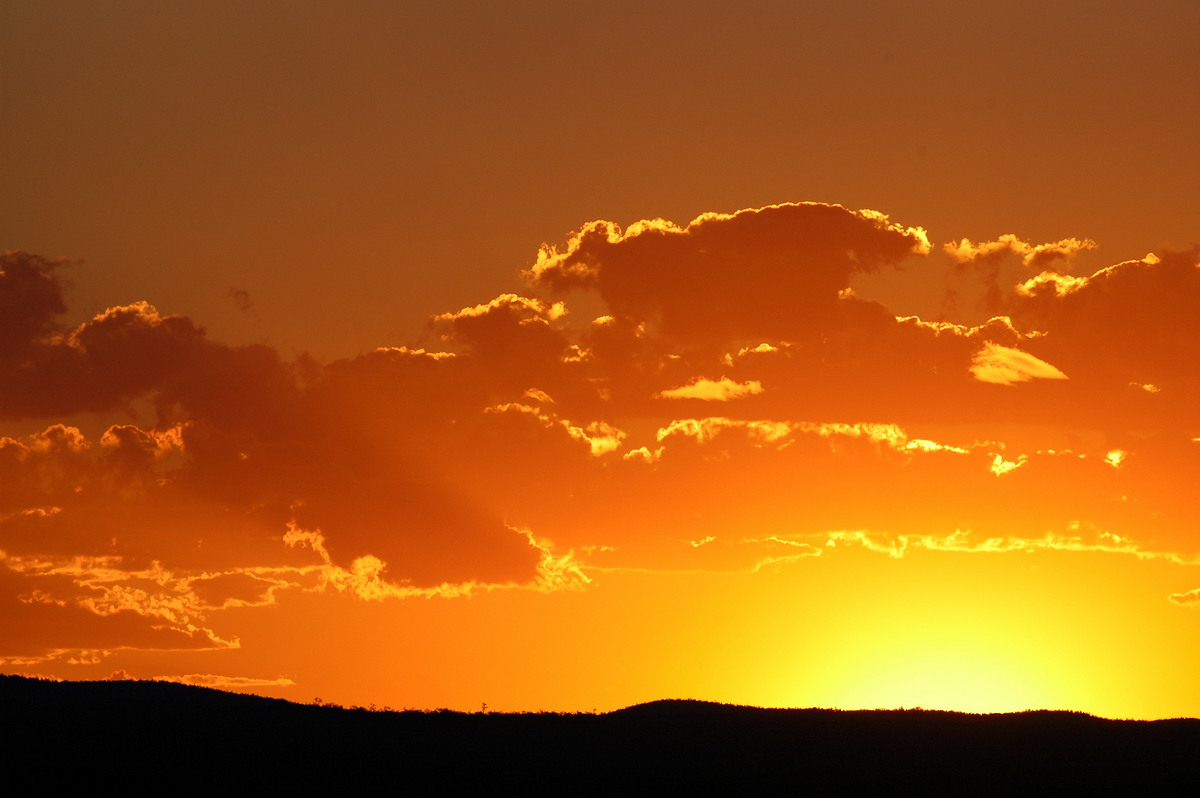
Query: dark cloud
[
  {"x": 31, "y": 299},
  {"x": 245, "y": 443},
  {"x": 1134, "y": 321},
  {"x": 240, "y": 298},
  {"x": 773, "y": 271},
  {"x": 101, "y": 365}
]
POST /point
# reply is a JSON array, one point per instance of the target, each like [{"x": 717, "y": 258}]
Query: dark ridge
[
  {"x": 154, "y": 736},
  {"x": 141, "y": 692}
]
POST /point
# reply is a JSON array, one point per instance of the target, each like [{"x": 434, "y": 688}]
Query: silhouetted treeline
[{"x": 141, "y": 737}]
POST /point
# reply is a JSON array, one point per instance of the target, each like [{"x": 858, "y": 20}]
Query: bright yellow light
[
  {"x": 937, "y": 631},
  {"x": 963, "y": 680}
]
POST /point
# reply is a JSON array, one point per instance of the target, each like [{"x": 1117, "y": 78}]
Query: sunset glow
[{"x": 426, "y": 356}]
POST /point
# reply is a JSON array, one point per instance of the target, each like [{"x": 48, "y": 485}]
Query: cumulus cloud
[
  {"x": 495, "y": 324},
  {"x": 1031, "y": 255},
  {"x": 1131, "y": 322},
  {"x": 31, "y": 297},
  {"x": 182, "y": 515},
  {"x": 1000, "y": 466},
  {"x": 100, "y": 365},
  {"x": 771, "y": 272}
]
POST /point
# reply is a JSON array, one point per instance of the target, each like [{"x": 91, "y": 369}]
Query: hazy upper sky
[
  {"x": 340, "y": 362},
  {"x": 355, "y": 166}
]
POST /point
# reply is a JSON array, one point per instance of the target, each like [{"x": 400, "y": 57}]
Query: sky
[{"x": 564, "y": 356}]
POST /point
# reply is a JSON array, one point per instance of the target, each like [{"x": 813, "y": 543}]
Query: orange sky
[{"x": 566, "y": 356}]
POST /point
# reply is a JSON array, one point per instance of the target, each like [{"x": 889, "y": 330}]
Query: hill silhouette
[{"x": 152, "y": 736}]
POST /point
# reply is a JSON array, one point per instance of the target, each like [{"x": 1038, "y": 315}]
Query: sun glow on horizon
[{"x": 950, "y": 678}]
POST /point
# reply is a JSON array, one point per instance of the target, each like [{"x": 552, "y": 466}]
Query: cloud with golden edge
[
  {"x": 768, "y": 273},
  {"x": 1000, "y": 466},
  {"x": 220, "y": 682},
  {"x": 703, "y": 430},
  {"x": 1116, "y": 457},
  {"x": 839, "y": 434},
  {"x": 1003, "y": 365},
  {"x": 366, "y": 577},
  {"x": 1079, "y": 537},
  {"x": 1052, "y": 283},
  {"x": 509, "y": 326},
  {"x": 722, "y": 390},
  {"x": 105, "y": 587},
  {"x": 1190, "y": 599},
  {"x": 1032, "y": 255},
  {"x": 794, "y": 551},
  {"x": 600, "y": 437}
]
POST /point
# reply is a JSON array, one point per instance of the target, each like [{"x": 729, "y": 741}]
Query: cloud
[
  {"x": 223, "y": 682},
  {"x": 509, "y": 324},
  {"x": 1032, "y": 255},
  {"x": 119, "y": 355},
  {"x": 1190, "y": 598},
  {"x": 703, "y": 430},
  {"x": 240, "y": 298},
  {"x": 540, "y": 442},
  {"x": 1134, "y": 322},
  {"x": 30, "y": 300},
  {"x": 239, "y": 588},
  {"x": 365, "y": 576},
  {"x": 1004, "y": 365},
  {"x": 1000, "y": 466},
  {"x": 1116, "y": 457},
  {"x": 245, "y": 442},
  {"x": 772, "y": 272},
  {"x": 722, "y": 390},
  {"x": 1078, "y": 538},
  {"x": 600, "y": 437},
  {"x": 79, "y": 610}
]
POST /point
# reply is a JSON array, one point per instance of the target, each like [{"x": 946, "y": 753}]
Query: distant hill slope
[{"x": 141, "y": 737}]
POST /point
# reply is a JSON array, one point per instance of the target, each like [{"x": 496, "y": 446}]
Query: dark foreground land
[{"x": 156, "y": 737}]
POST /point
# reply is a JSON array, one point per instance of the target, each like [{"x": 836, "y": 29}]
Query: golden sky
[{"x": 571, "y": 355}]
